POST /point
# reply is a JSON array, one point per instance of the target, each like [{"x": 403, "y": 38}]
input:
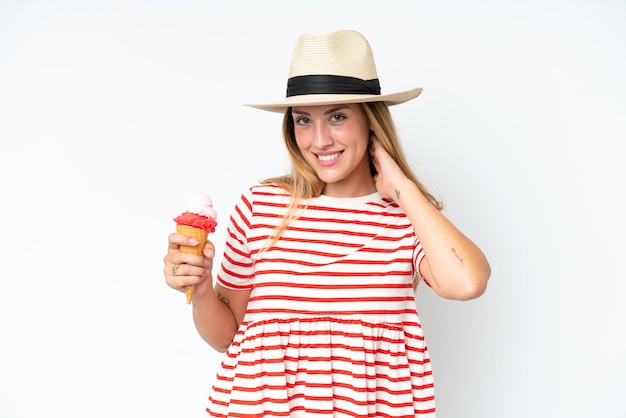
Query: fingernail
[{"x": 193, "y": 241}]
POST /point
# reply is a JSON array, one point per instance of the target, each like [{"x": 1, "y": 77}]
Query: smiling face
[{"x": 334, "y": 140}]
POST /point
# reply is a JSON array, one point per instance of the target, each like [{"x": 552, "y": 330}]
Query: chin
[{"x": 329, "y": 179}]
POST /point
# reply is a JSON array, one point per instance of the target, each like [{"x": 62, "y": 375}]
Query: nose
[{"x": 323, "y": 137}]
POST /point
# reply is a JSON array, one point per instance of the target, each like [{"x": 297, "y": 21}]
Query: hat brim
[{"x": 328, "y": 99}]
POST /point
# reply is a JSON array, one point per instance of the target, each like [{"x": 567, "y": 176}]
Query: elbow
[
  {"x": 219, "y": 347},
  {"x": 467, "y": 293},
  {"x": 474, "y": 290},
  {"x": 467, "y": 288},
  {"x": 476, "y": 285},
  {"x": 219, "y": 342}
]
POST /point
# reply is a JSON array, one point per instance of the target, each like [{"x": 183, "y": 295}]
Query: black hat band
[{"x": 330, "y": 84}]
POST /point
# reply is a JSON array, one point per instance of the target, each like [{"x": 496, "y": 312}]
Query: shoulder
[
  {"x": 267, "y": 189},
  {"x": 263, "y": 194}
]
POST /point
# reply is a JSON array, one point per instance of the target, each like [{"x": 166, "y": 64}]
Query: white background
[{"x": 111, "y": 112}]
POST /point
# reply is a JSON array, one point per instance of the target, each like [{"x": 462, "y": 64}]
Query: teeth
[{"x": 328, "y": 157}]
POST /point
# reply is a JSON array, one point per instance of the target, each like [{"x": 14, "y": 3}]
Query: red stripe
[
  {"x": 400, "y": 273},
  {"x": 318, "y": 230},
  {"x": 331, "y": 255},
  {"x": 336, "y": 221},
  {"x": 267, "y": 347},
  {"x": 233, "y": 286},
  {"x": 331, "y": 319},
  {"x": 306, "y": 320},
  {"x": 236, "y": 262},
  {"x": 234, "y": 274},
  {"x": 333, "y": 286},
  {"x": 234, "y": 224},
  {"x": 334, "y": 300},
  {"x": 348, "y": 262},
  {"x": 343, "y": 312},
  {"x": 352, "y": 388},
  {"x": 236, "y": 251}
]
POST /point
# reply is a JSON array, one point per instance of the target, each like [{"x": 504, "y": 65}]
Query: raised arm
[{"x": 453, "y": 265}]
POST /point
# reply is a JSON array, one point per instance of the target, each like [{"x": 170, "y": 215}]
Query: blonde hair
[{"x": 303, "y": 183}]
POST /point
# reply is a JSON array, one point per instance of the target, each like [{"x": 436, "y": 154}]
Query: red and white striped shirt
[{"x": 331, "y": 327}]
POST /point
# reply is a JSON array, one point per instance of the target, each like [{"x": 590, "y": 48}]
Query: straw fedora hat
[{"x": 334, "y": 68}]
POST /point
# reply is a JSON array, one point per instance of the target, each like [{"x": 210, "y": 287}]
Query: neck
[{"x": 362, "y": 188}]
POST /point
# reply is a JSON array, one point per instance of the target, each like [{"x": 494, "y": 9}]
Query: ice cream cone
[
  {"x": 199, "y": 235},
  {"x": 197, "y": 220}
]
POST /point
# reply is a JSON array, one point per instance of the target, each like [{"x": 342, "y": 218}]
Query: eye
[
  {"x": 337, "y": 117},
  {"x": 302, "y": 120}
]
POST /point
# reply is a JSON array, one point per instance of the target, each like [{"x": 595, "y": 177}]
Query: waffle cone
[{"x": 199, "y": 235}]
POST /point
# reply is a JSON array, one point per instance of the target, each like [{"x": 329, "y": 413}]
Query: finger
[
  {"x": 209, "y": 249},
  {"x": 178, "y": 276},
  {"x": 180, "y": 271},
  {"x": 175, "y": 240}
]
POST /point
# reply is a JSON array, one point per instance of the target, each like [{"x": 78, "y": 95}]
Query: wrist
[
  {"x": 204, "y": 294},
  {"x": 405, "y": 191}
]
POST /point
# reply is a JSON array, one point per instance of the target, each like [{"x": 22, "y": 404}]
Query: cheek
[
  {"x": 300, "y": 149},
  {"x": 300, "y": 138},
  {"x": 364, "y": 140},
  {"x": 304, "y": 141}
]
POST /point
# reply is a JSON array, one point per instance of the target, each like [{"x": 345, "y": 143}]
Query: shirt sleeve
[
  {"x": 237, "y": 269},
  {"x": 418, "y": 256}
]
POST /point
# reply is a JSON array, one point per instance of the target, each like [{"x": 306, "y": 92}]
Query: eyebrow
[{"x": 328, "y": 112}]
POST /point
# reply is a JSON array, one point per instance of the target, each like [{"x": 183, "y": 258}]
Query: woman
[{"x": 314, "y": 302}]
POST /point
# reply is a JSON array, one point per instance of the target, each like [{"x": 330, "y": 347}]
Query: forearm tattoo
[
  {"x": 453, "y": 250},
  {"x": 223, "y": 299},
  {"x": 226, "y": 302}
]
